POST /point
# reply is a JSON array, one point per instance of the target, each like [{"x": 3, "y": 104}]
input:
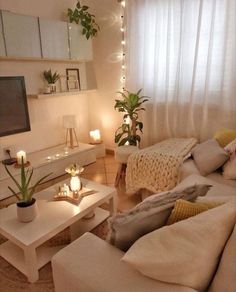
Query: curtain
[{"x": 183, "y": 54}]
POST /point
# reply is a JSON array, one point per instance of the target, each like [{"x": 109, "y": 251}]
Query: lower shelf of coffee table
[{"x": 15, "y": 255}]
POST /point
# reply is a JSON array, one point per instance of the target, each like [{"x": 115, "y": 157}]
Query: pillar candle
[{"x": 19, "y": 156}]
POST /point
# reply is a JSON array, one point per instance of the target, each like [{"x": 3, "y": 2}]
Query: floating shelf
[{"x": 58, "y": 94}]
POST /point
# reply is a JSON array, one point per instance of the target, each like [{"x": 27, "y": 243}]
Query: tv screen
[{"x": 14, "y": 115}]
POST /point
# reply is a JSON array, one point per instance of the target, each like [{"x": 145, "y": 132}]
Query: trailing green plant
[
  {"x": 80, "y": 15},
  {"x": 50, "y": 77},
  {"x": 130, "y": 105},
  {"x": 25, "y": 191}
]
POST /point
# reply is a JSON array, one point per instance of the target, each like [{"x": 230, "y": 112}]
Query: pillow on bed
[
  {"x": 151, "y": 214},
  {"x": 209, "y": 156}
]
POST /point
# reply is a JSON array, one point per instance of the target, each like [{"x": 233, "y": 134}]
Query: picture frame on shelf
[
  {"x": 63, "y": 83},
  {"x": 73, "y": 79}
]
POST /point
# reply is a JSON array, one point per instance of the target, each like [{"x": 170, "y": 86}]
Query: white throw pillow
[
  {"x": 229, "y": 169},
  {"x": 231, "y": 147},
  {"x": 186, "y": 252}
]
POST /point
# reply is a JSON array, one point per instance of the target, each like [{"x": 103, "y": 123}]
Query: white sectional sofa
[{"x": 90, "y": 264}]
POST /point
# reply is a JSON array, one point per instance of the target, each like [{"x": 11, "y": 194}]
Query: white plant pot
[{"x": 27, "y": 213}]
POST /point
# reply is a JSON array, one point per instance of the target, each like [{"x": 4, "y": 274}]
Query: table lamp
[{"x": 69, "y": 123}]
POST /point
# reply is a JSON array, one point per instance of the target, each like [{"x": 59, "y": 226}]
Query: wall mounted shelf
[{"x": 58, "y": 94}]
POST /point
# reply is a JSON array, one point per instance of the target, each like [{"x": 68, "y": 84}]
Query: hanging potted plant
[
  {"x": 130, "y": 105},
  {"x": 26, "y": 207},
  {"x": 80, "y": 15},
  {"x": 51, "y": 79}
]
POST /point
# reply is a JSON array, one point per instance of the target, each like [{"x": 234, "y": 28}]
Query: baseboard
[{"x": 110, "y": 151}]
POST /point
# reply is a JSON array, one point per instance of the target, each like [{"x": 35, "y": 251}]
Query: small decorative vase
[
  {"x": 27, "y": 212},
  {"x": 75, "y": 183},
  {"x": 52, "y": 87}
]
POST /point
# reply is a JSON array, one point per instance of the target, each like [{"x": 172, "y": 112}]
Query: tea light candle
[
  {"x": 19, "y": 156},
  {"x": 95, "y": 137}
]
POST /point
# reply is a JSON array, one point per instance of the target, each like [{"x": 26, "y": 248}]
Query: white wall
[{"x": 93, "y": 110}]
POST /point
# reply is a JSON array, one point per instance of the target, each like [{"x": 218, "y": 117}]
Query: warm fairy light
[{"x": 122, "y": 29}]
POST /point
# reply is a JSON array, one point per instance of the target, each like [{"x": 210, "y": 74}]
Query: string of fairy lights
[{"x": 123, "y": 43}]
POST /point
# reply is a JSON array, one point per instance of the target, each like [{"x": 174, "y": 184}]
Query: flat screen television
[{"x": 14, "y": 115}]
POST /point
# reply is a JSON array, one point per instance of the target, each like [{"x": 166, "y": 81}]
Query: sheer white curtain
[{"x": 183, "y": 54}]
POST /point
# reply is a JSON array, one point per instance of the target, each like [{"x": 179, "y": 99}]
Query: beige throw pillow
[
  {"x": 225, "y": 278},
  {"x": 209, "y": 156},
  {"x": 185, "y": 253},
  {"x": 152, "y": 213}
]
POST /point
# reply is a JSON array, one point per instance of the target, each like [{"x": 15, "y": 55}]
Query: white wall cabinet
[
  {"x": 21, "y": 35},
  {"x": 54, "y": 38},
  {"x": 2, "y": 44},
  {"x": 24, "y": 36},
  {"x": 80, "y": 47}
]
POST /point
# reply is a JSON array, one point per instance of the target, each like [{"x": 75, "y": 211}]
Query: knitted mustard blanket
[{"x": 156, "y": 168}]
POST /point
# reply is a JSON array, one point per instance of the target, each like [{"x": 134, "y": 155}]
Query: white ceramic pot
[
  {"x": 52, "y": 87},
  {"x": 27, "y": 213}
]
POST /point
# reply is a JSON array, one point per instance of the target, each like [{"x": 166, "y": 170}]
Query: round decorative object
[
  {"x": 75, "y": 184},
  {"x": 27, "y": 212}
]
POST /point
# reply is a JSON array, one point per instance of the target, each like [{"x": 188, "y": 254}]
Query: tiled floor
[{"x": 104, "y": 172}]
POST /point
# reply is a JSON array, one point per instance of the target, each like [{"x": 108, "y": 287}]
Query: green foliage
[
  {"x": 81, "y": 16},
  {"x": 130, "y": 105},
  {"x": 51, "y": 77},
  {"x": 25, "y": 191}
]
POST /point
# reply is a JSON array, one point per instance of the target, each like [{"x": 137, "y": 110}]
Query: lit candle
[
  {"x": 19, "y": 156},
  {"x": 95, "y": 137}
]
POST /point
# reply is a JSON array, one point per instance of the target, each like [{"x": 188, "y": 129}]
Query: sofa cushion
[
  {"x": 218, "y": 188},
  {"x": 209, "y": 156},
  {"x": 225, "y": 278},
  {"x": 225, "y": 136},
  {"x": 152, "y": 213},
  {"x": 184, "y": 209},
  {"x": 186, "y": 252},
  {"x": 89, "y": 264}
]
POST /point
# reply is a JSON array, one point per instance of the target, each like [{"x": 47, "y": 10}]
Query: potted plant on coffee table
[
  {"x": 130, "y": 104},
  {"x": 26, "y": 207}
]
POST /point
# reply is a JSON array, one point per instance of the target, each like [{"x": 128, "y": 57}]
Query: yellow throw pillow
[
  {"x": 184, "y": 209},
  {"x": 225, "y": 136}
]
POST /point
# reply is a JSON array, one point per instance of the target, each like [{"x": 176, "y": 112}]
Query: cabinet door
[
  {"x": 21, "y": 35},
  {"x": 55, "y": 40},
  {"x": 2, "y": 42},
  {"x": 80, "y": 47}
]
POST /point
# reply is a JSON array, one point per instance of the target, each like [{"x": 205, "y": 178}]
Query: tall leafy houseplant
[
  {"x": 130, "y": 104},
  {"x": 80, "y": 15}
]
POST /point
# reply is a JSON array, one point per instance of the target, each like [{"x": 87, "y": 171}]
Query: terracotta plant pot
[{"x": 26, "y": 212}]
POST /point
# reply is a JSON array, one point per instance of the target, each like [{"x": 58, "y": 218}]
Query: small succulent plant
[{"x": 50, "y": 77}]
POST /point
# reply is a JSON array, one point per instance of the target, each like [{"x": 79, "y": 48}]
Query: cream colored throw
[{"x": 156, "y": 168}]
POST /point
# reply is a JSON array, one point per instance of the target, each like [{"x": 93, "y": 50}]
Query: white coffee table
[{"x": 24, "y": 248}]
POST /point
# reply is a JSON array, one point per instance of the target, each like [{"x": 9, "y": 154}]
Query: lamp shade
[{"x": 69, "y": 121}]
